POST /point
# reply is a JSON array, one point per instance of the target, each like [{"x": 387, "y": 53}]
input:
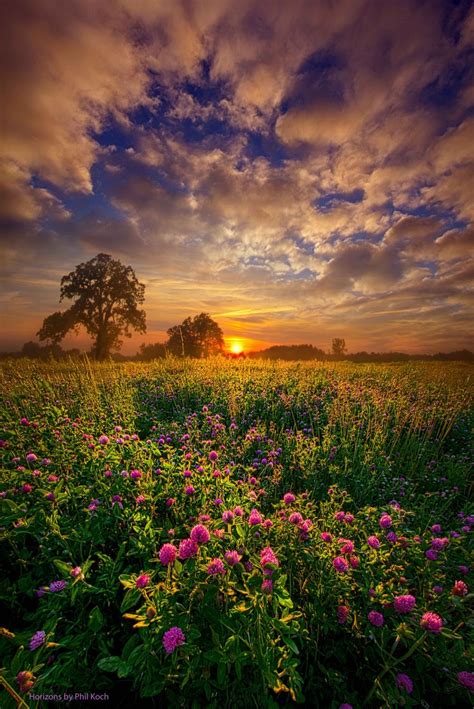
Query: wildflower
[
  {"x": 56, "y": 586},
  {"x": 76, "y": 571},
  {"x": 268, "y": 558},
  {"x": 463, "y": 569},
  {"x": 385, "y": 521},
  {"x": 135, "y": 474},
  {"x": 25, "y": 680},
  {"x": 187, "y": 473},
  {"x": 215, "y": 566},
  {"x": 255, "y": 517},
  {"x": 238, "y": 511},
  {"x": 438, "y": 543},
  {"x": 173, "y": 638},
  {"x": 437, "y": 589},
  {"x": 404, "y": 682},
  {"x": 204, "y": 518},
  {"x": 345, "y": 705},
  {"x": 340, "y": 564},
  {"x": 295, "y": 518},
  {"x": 103, "y": 440},
  {"x": 326, "y": 537},
  {"x": 227, "y": 516},
  {"x": 170, "y": 502},
  {"x": 267, "y": 586},
  {"x": 140, "y": 499},
  {"x": 218, "y": 501},
  {"x": 189, "y": 490},
  {"x": 342, "y": 614},
  {"x": 347, "y": 546},
  {"x": 348, "y": 518},
  {"x": 373, "y": 542},
  {"x": 200, "y": 534},
  {"x": 93, "y": 505},
  {"x": 354, "y": 561},
  {"x": 460, "y": 589},
  {"x": 431, "y": 554},
  {"x": 340, "y": 516},
  {"x": 142, "y": 581},
  {"x": 288, "y": 498},
  {"x": 187, "y": 549},
  {"x": 392, "y": 537},
  {"x": 117, "y": 500},
  {"x": 31, "y": 458},
  {"x": 232, "y": 557},
  {"x": 376, "y": 618},
  {"x": 404, "y": 604},
  {"x": 267, "y": 523},
  {"x": 167, "y": 554},
  {"x": 38, "y": 639},
  {"x": 431, "y": 622},
  {"x": 436, "y": 528},
  {"x": 213, "y": 455},
  {"x": 27, "y": 487},
  {"x": 466, "y": 679}
]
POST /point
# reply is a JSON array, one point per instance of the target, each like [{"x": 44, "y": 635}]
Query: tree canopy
[
  {"x": 106, "y": 297},
  {"x": 200, "y": 336}
]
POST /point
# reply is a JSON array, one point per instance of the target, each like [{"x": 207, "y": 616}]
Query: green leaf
[
  {"x": 130, "y": 599},
  {"x": 291, "y": 644},
  {"x": 96, "y": 619},
  {"x": 109, "y": 664}
]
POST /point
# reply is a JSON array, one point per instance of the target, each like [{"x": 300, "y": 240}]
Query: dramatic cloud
[{"x": 301, "y": 170}]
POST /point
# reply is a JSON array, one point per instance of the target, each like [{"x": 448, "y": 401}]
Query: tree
[
  {"x": 107, "y": 298},
  {"x": 200, "y": 336},
  {"x": 339, "y": 347},
  {"x": 154, "y": 351}
]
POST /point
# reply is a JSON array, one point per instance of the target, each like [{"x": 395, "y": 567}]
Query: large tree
[
  {"x": 200, "y": 336},
  {"x": 107, "y": 295}
]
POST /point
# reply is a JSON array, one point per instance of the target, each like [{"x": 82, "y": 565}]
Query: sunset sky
[{"x": 299, "y": 169}]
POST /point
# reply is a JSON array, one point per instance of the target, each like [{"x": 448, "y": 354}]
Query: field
[{"x": 237, "y": 534}]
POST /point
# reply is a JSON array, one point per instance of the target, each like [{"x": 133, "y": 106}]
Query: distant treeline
[
  {"x": 160, "y": 350},
  {"x": 309, "y": 352}
]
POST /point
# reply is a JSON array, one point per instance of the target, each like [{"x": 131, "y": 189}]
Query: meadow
[{"x": 236, "y": 533}]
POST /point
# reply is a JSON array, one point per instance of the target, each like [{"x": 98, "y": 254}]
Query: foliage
[
  {"x": 107, "y": 295},
  {"x": 198, "y": 337},
  {"x": 339, "y": 346},
  {"x": 289, "y": 467}
]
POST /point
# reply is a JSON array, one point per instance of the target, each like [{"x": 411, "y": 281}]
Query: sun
[{"x": 236, "y": 348}]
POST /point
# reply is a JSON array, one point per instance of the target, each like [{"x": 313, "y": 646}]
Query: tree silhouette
[
  {"x": 339, "y": 346},
  {"x": 107, "y": 296},
  {"x": 200, "y": 336}
]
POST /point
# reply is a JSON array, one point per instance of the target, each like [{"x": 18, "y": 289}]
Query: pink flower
[
  {"x": 431, "y": 622},
  {"x": 187, "y": 549},
  {"x": 140, "y": 499},
  {"x": 173, "y": 638},
  {"x": 404, "y": 604},
  {"x": 170, "y": 502},
  {"x": 200, "y": 534},
  {"x": 103, "y": 440},
  {"x": 347, "y": 546},
  {"x": 373, "y": 542},
  {"x": 340, "y": 516},
  {"x": 391, "y": 537},
  {"x": 31, "y": 457},
  {"x": 227, "y": 516},
  {"x": 431, "y": 554},
  {"x": 436, "y": 528},
  {"x": 288, "y": 498},
  {"x": 385, "y": 521},
  {"x": 76, "y": 571},
  {"x": 142, "y": 581},
  {"x": 215, "y": 566},
  {"x": 213, "y": 455},
  {"x": 326, "y": 537},
  {"x": 232, "y": 557},
  {"x": 27, "y": 487},
  {"x": 295, "y": 518},
  {"x": 466, "y": 679},
  {"x": 354, "y": 561},
  {"x": 348, "y": 518},
  {"x": 255, "y": 518},
  {"x": 460, "y": 589},
  {"x": 267, "y": 586},
  {"x": 404, "y": 682},
  {"x": 438, "y": 543},
  {"x": 189, "y": 490},
  {"x": 340, "y": 564},
  {"x": 376, "y": 619},
  {"x": 268, "y": 559},
  {"x": 167, "y": 554},
  {"x": 342, "y": 614}
]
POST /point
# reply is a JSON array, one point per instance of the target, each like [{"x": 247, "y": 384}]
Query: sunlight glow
[{"x": 236, "y": 347}]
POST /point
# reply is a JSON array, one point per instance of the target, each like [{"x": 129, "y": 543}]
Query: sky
[{"x": 298, "y": 169}]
